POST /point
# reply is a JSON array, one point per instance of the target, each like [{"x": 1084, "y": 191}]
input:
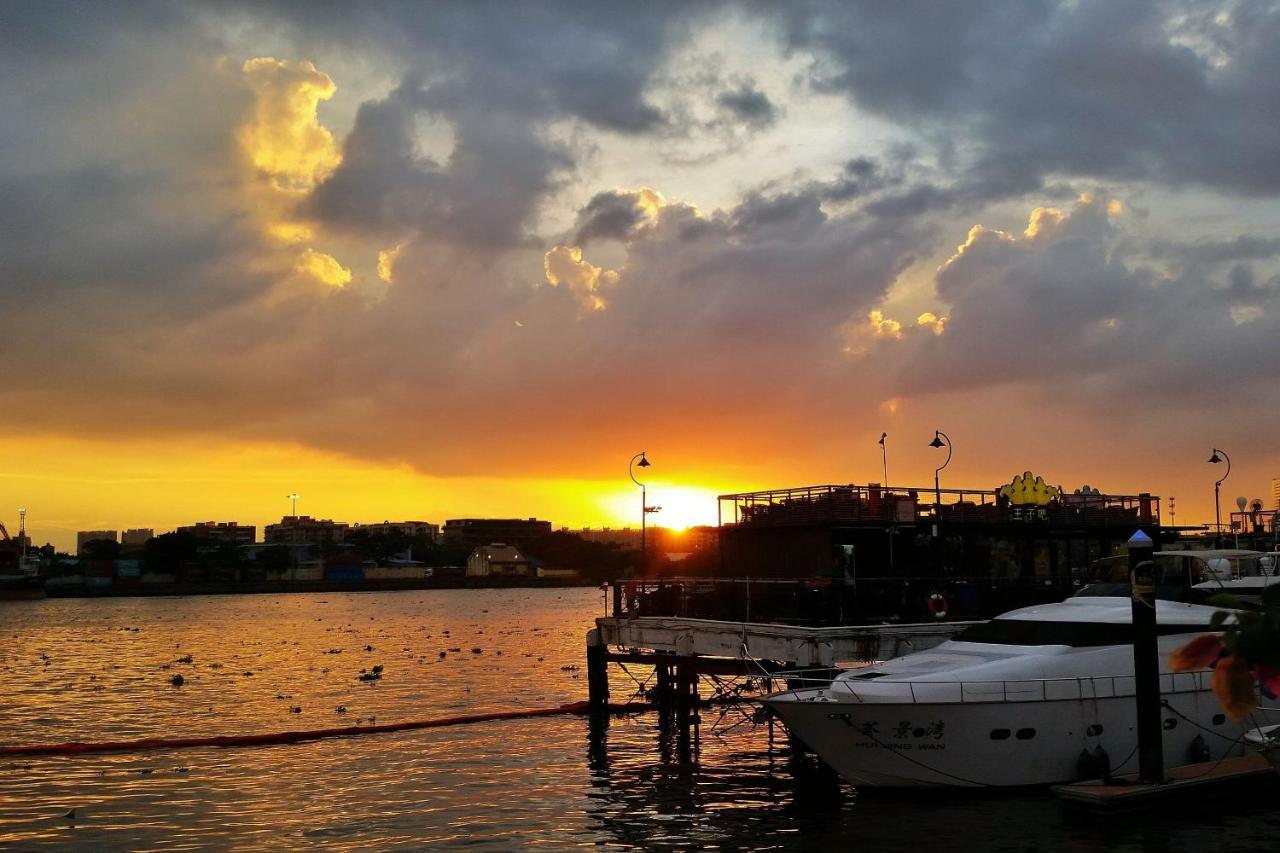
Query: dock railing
[
  {"x": 876, "y": 504},
  {"x": 829, "y": 601}
]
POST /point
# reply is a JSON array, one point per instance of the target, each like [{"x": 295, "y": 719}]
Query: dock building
[{"x": 498, "y": 560}]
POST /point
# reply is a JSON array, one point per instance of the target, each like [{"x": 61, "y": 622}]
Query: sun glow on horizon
[{"x": 682, "y": 507}]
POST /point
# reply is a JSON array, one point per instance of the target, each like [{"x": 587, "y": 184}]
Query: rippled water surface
[{"x": 102, "y": 669}]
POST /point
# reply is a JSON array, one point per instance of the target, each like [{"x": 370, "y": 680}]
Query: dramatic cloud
[
  {"x": 284, "y": 139},
  {"x": 479, "y": 237}
]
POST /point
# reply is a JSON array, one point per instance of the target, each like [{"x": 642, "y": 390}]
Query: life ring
[{"x": 938, "y": 606}]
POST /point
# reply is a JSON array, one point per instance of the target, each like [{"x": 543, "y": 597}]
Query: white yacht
[{"x": 1039, "y": 695}]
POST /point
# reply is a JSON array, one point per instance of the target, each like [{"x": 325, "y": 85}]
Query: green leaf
[{"x": 1224, "y": 599}]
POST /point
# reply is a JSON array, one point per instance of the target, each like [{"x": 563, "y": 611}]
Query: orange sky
[{"x": 455, "y": 263}]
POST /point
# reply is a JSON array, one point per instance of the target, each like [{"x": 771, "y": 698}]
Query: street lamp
[
  {"x": 644, "y": 503},
  {"x": 940, "y": 439},
  {"x": 884, "y": 457},
  {"x": 1217, "y": 488},
  {"x": 293, "y": 498}
]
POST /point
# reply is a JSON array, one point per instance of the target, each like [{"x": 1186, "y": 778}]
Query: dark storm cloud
[
  {"x": 1064, "y": 310},
  {"x": 613, "y": 214},
  {"x": 1138, "y": 90},
  {"x": 143, "y": 294},
  {"x": 749, "y": 105}
]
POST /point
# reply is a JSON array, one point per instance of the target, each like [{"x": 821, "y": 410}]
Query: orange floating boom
[{"x": 271, "y": 739}]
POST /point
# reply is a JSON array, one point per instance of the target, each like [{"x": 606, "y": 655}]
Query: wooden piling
[{"x": 597, "y": 671}]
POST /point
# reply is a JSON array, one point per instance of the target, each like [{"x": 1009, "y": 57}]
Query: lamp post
[
  {"x": 293, "y": 499},
  {"x": 644, "y": 502},
  {"x": 884, "y": 457},
  {"x": 1219, "y": 456},
  {"x": 940, "y": 439}
]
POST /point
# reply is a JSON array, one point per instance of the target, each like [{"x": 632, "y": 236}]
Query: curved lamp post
[
  {"x": 940, "y": 439},
  {"x": 1219, "y": 456},
  {"x": 644, "y": 502}
]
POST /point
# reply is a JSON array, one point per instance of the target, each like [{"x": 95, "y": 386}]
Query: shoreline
[{"x": 276, "y": 587}]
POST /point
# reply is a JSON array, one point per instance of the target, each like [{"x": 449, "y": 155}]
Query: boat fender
[
  {"x": 1102, "y": 763},
  {"x": 938, "y": 606},
  {"x": 1086, "y": 766},
  {"x": 1198, "y": 750}
]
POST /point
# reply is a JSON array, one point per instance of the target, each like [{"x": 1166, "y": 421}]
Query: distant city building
[
  {"x": 474, "y": 532},
  {"x": 136, "y": 537},
  {"x": 498, "y": 560},
  {"x": 625, "y": 537},
  {"x": 84, "y": 536},
  {"x": 222, "y": 532},
  {"x": 305, "y": 530},
  {"x": 657, "y": 539},
  {"x": 1275, "y": 492},
  {"x": 408, "y": 529}
]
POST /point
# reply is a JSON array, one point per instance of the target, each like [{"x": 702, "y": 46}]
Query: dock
[
  {"x": 1125, "y": 793},
  {"x": 677, "y": 653}
]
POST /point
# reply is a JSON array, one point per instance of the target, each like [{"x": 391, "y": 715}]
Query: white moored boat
[{"x": 1040, "y": 695}]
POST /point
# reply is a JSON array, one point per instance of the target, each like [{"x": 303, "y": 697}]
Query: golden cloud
[
  {"x": 564, "y": 265},
  {"x": 323, "y": 268},
  {"x": 285, "y": 139},
  {"x": 387, "y": 262}
]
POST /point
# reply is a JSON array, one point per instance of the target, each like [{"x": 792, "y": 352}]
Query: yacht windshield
[{"x": 1028, "y": 632}]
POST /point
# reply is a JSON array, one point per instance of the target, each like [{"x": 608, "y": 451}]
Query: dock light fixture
[
  {"x": 293, "y": 499},
  {"x": 644, "y": 502},
  {"x": 1218, "y": 457},
  {"x": 940, "y": 439}
]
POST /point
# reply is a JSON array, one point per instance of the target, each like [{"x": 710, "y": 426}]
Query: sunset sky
[{"x": 417, "y": 260}]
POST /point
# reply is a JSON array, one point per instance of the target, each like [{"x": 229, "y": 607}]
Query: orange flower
[
  {"x": 1233, "y": 685},
  {"x": 1200, "y": 653}
]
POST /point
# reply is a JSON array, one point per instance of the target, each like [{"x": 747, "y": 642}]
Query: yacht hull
[{"x": 1000, "y": 744}]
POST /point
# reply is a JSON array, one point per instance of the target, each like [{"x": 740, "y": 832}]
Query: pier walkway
[{"x": 794, "y": 646}]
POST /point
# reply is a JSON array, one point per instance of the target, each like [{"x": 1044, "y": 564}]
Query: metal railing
[
  {"x": 855, "y": 504},
  {"x": 817, "y": 602},
  {"x": 952, "y": 692}
]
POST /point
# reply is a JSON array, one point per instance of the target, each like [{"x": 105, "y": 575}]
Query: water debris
[
  {"x": 182, "y": 770},
  {"x": 295, "y": 709},
  {"x": 341, "y": 709},
  {"x": 370, "y": 676},
  {"x": 368, "y": 648},
  {"x": 283, "y": 696},
  {"x": 177, "y": 680},
  {"x": 443, "y": 655},
  {"x": 569, "y": 668},
  {"x": 455, "y": 650},
  {"x": 477, "y": 650},
  {"x": 185, "y": 659},
  {"x": 70, "y": 815}
]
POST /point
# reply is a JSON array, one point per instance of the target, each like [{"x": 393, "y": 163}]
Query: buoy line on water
[{"x": 275, "y": 738}]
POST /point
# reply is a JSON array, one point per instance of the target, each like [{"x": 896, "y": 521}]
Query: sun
[{"x": 682, "y": 507}]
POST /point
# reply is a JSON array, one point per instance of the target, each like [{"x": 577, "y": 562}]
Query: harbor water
[{"x": 103, "y": 669}]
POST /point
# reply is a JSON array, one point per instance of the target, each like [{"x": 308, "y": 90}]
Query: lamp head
[
  {"x": 883, "y": 436},
  {"x": 937, "y": 440},
  {"x": 643, "y": 463},
  {"x": 1215, "y": 458}
]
